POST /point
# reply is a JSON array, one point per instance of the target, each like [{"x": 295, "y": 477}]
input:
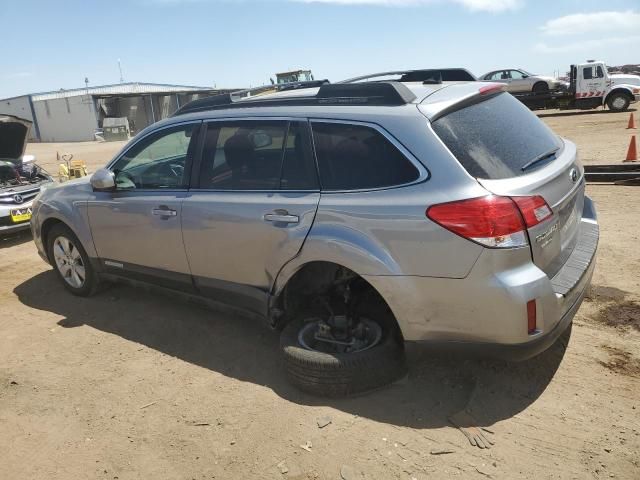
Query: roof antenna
[{"x": 120, "y": 68}]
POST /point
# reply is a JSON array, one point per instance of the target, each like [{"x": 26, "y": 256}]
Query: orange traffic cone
[
  {"x": 632, "y": 122},
  {"x": 632, "y": 153}
]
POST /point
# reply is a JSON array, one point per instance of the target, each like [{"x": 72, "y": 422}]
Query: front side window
[
  {"x": 257, "y": 155},
  {"x": 356, "y": 157},
  {"x": 157, "y": 161},
  {"x": 516, "y": 75},
  {"x": 599, "y": 72}
]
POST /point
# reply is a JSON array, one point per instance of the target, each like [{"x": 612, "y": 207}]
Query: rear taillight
[
  {"x": 534, "y": 209},
  {"x": 493, "y": 221}
]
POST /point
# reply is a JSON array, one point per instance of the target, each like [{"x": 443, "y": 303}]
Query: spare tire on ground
[{"x": 341, "y": 374}]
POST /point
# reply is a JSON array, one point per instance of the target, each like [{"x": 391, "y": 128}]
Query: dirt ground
[{"x": 130, "y": 384}]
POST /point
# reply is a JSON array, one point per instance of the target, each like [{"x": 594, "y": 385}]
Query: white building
[{"x": 74, "y": 115}]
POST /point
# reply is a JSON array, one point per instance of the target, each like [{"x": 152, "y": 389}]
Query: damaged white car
[{"x": 21, "y": 179}]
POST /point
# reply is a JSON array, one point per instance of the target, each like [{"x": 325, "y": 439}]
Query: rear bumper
[{"x": 486, "y": 311}]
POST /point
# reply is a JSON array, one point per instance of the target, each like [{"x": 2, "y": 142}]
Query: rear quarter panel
[{"x": 386, "y": 231}]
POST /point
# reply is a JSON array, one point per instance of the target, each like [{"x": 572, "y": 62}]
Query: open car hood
[{"x": 14, "y": 132}]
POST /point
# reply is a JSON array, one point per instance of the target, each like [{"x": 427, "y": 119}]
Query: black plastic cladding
[{"x": 366, "y": 93}]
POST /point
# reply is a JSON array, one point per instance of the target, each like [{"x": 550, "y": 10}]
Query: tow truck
[{"x": 590, "y": 86}]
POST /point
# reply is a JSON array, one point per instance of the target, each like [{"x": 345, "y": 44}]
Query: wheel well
[
  {"x": 623, "y": 91},
  {"x": 320, "y": 287},
  {"x": 48, "y": 224}
]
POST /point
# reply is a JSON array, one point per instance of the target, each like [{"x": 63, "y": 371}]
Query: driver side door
[
  {"x": 137, "y": 228},
  {"x": 519, "y": 82}
]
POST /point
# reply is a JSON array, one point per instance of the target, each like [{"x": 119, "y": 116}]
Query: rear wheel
[
  {"x": 618, "y": 102},
  {"x": 71, "y": 261},
  {"x": 338, "y": 357},
  {"x": 541, "y": 87}
]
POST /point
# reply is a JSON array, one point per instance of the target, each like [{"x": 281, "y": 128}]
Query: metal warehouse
[{"x": 76, "y": 114}]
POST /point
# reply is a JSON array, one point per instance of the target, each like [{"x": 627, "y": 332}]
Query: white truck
[{"x": 590, "y": 86}]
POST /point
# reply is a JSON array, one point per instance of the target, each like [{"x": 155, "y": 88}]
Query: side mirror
[{"x": 103, "y": 180}]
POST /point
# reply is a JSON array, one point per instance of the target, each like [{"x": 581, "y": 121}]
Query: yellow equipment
[{"x": 70, "y": 169}]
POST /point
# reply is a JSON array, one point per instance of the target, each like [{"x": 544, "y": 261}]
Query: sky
[{"x": 50, "y": 45}]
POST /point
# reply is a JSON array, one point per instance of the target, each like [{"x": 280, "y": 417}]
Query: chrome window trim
[{"x": 423, "y": 172}]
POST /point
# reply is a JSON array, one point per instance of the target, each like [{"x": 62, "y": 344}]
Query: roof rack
[
  {"x": 366, "y": 93},
  {"x": 426, "y": 76}
]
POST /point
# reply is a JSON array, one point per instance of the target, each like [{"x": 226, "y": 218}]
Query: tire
[
  {"x": 342, "y": 374},
  {"x": 541, "y": 87},
  {"x": 618, "y": 102},
  {"x": 76, "y": 255}
]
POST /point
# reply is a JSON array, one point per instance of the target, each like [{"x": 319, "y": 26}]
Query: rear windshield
[{"x": 497, "y": 138}]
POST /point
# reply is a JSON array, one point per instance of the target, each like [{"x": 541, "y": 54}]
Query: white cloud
[
  {"x": 594, "y": 22},
  {"x": 473, "y": 5},
  {"x": 588, "y": 45},
  {"x": 490, "y": 5},
  {"x": 493, "y": 6}
]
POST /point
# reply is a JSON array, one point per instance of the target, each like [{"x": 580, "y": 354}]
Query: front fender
[
  {"x": 66, "y": 203},
  {"x": 627, "y": 89},
  {"x": 343, "y": 246}
]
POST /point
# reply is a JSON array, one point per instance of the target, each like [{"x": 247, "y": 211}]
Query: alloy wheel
[{"x": 69, "y": 262}]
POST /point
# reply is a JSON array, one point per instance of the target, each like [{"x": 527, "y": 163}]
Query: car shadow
[
  {"x": 8, "y": 240},
  {"x": 243, "y": 348}
]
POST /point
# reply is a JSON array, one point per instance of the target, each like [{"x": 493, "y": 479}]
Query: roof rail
[
  {"x": 282, "y": 87},
  {"x": 427, "y": 76},
  {"x": 366, "y": 93}
]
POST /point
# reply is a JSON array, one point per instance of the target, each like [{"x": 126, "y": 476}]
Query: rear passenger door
[{"x": 253, "y": 203}]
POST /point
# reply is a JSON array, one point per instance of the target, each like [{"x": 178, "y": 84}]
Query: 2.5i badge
[{"x": 544, "y": 238}]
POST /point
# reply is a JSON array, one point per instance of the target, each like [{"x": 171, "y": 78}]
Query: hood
[
  {"x": 620, "y": 78},
  {"x": 14, "y": 133}
]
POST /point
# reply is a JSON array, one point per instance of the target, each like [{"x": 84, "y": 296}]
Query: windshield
[{"x": 497, "y": 138}]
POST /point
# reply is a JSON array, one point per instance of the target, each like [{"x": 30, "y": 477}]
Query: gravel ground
[{"x": 131, "y": 384}]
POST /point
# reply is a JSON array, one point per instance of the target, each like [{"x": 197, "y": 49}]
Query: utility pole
[{"x": 120, "y": 68}]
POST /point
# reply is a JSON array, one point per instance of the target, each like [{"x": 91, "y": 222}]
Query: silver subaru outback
[{"x": 353, "y": 217}]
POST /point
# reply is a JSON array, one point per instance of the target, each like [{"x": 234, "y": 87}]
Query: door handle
[
  {"x": 163, "y": 211},
  {"x": 284, "y": 217}
]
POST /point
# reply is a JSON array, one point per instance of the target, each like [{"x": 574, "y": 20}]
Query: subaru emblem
[
  {"x": 574, "y": 175},
  {"x": 18, "y": 198}
]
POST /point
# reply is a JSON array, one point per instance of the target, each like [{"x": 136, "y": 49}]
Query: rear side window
[
  {"x": 243, "y": 155},
  {"x": 298, "y": 167},
  {"x": 497, "y": 138},
  {"x": 257, "y": 155},
  {"x": 355, "y": 157}
]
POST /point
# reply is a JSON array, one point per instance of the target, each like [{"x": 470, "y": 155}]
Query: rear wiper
[{"x": 539, "y": 158}]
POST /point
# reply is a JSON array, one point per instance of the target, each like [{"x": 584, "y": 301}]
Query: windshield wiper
[{"x": 539, "y": 158}]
